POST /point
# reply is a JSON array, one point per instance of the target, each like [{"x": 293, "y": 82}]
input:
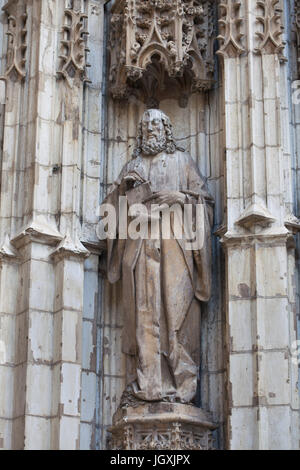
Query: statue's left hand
[{"x": 167, "y": 197}]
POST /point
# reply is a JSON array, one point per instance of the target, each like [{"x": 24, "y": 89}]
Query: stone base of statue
[{"x": 162, "y": 426}]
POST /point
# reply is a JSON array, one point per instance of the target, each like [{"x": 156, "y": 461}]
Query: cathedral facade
[{"x": 221, "y": 83}]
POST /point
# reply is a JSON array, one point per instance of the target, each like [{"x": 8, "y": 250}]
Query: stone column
[{"x": 258, "y": 240}]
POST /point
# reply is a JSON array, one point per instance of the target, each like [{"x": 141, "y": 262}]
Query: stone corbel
[
  {"x": 16, "y": 45},
  {"x": 162, "y": 426}
]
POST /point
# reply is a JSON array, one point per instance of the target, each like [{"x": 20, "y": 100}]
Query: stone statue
[{"x": 163, "y": 282}]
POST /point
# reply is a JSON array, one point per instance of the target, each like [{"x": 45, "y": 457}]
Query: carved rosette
[
  {"x": 16, "y": 44},
  {"x": 230, "y": 24},
  {"x": 162, "y": 426},
  {"x": 74, "y": 65},
  {"x": 270, "y": 38},
  {"x": 153, "y": 41}
]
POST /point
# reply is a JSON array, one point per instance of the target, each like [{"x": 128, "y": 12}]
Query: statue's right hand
[{"x": 128, "y": 182}]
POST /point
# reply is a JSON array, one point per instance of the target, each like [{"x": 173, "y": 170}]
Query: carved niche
[
  {"x": 17, "y": 40},
  {"x": 161, "y": 49}
]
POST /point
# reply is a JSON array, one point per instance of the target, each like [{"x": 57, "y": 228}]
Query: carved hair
[{"x": 170, "y": 144}]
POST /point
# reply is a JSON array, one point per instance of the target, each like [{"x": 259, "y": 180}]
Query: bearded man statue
[{"x": 163, "y": 282}]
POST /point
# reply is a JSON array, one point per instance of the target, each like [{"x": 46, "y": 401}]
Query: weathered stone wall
[
  {"x": 63, "y": 141},
  {"x": 258, "y": 241}
]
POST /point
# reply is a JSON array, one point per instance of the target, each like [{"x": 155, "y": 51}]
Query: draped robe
[{"x": 163, "y": 284}]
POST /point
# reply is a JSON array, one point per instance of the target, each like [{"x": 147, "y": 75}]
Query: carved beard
[{"x": 154, "y": 146}]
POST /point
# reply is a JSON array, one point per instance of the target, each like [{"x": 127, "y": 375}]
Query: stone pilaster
[
  {"x": 40, "y": 223},
  {"x": 35, "y": 366},
  {"x": 69, "y": 259},
  {"x": 13, "y": 86},
  {"x": 10, "y": 410},
  {"x": 263, "y": 399}
]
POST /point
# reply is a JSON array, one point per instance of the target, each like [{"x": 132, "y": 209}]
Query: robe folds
[{"x": 163, "y": 284}]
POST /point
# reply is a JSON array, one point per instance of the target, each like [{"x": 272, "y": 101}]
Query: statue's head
[{"x": 155, "y": 134}]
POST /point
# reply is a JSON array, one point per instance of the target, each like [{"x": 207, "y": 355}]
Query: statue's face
[{"x": 153, "y": 127}]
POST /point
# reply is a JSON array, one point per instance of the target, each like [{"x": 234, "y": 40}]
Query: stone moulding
[
  {"x": 70, "y": 248},
  {"x": 230, "y": 24},
  {"x": 162, "y": 426},
  {"x": 254, "y": 215},
  {"x": 38, "y": 229},
  {"x": 17, "y": 40},
  {"x": 270, "y": 38},
  {"x": 74, "y": 49},
  {"x": 161, "y": 45}
]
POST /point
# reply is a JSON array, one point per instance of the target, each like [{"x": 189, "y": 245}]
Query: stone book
[{"x": 139, "y": 194}]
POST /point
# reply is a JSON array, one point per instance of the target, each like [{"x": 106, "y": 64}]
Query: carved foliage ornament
[
  {"x": 270, "y": 38},
  {"x": 176, "y": 34},
  {"x": 230, "y": 24},
  {"x": 74, "y": 49},
  {"x": 16, "y": 44}
]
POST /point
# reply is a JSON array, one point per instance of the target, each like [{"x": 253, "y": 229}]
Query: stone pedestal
[{"x": 162, "y": 426}]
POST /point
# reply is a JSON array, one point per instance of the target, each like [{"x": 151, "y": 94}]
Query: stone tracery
[
  {"x": 171, "y": 39},
  {"x": 16, "y": 44}
]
